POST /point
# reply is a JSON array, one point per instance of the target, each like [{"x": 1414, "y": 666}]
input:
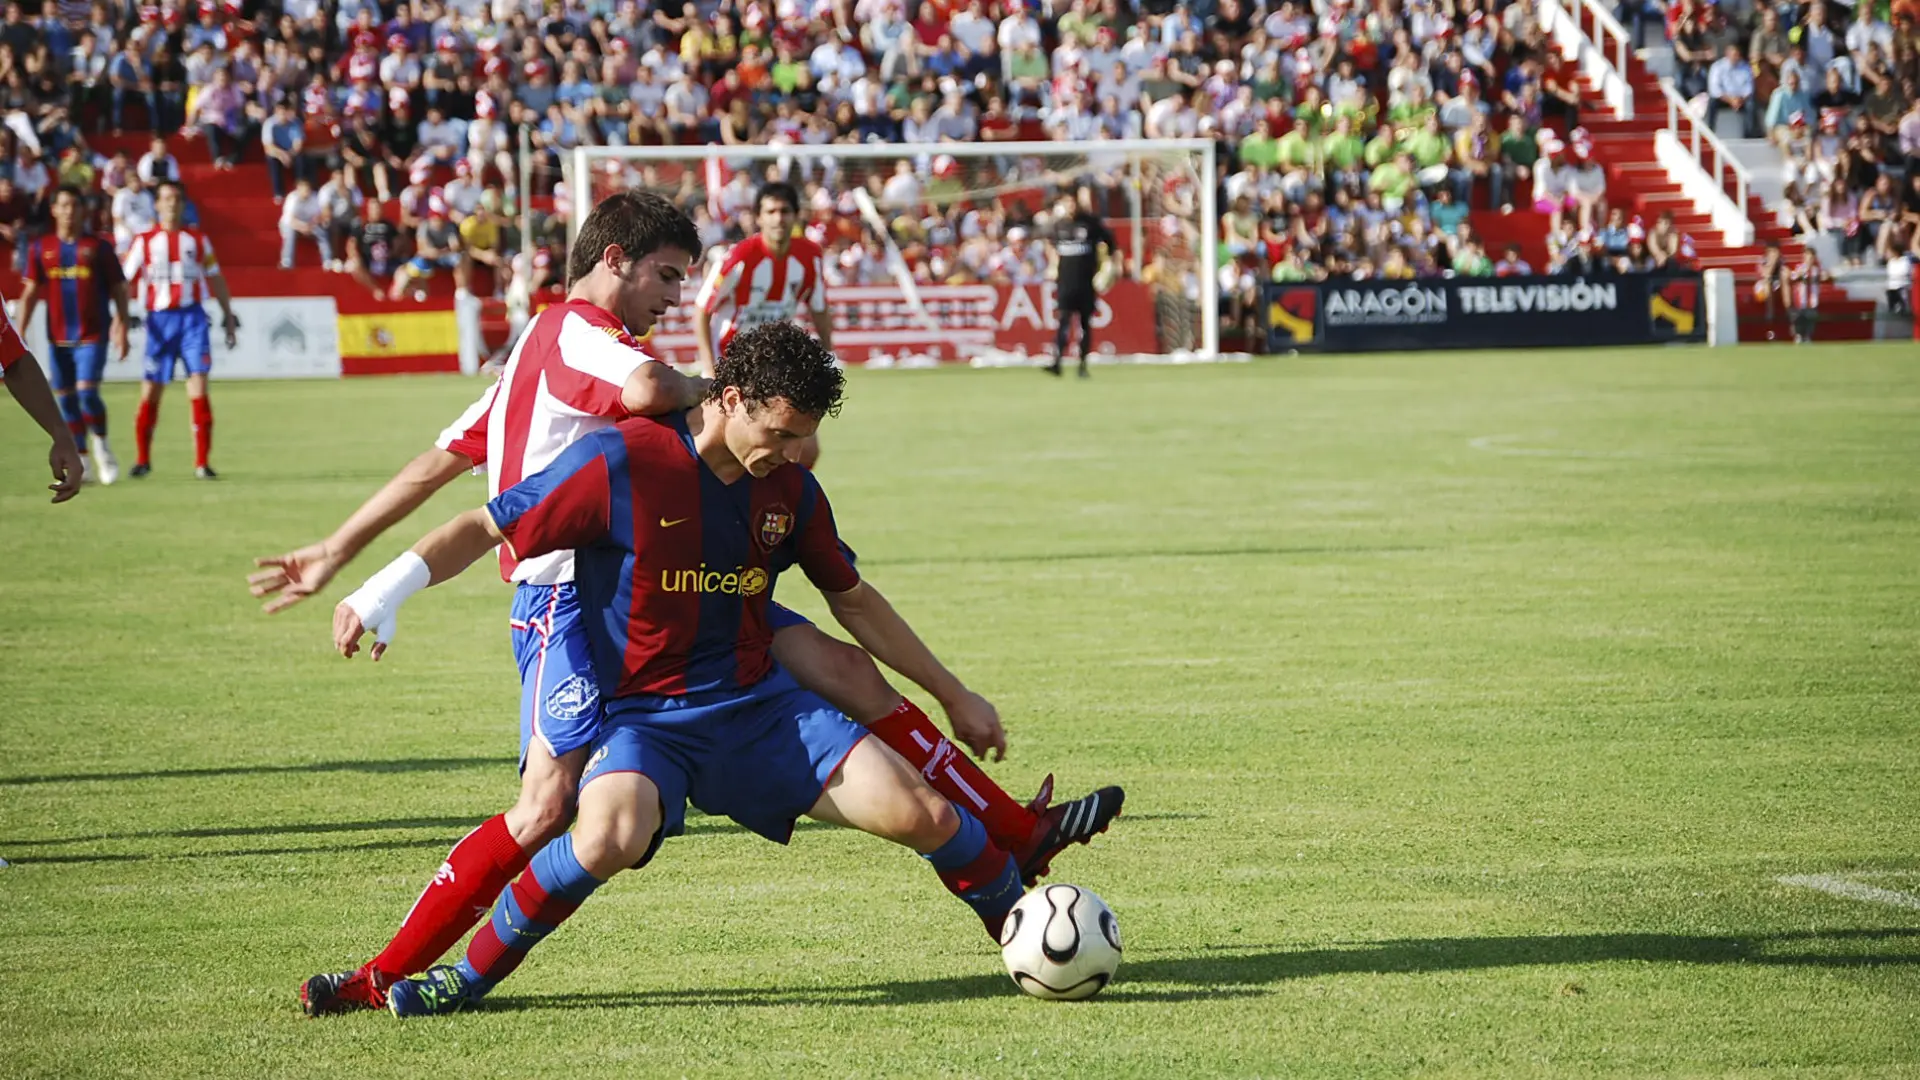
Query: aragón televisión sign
[{"x": 1531, "y": 312}]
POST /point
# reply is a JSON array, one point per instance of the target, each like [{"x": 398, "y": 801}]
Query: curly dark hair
[
  {"x": 780, "y": 360},
  {"x": 641, "y": 222}
]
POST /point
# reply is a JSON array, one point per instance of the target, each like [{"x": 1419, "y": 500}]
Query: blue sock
[
  {"x": 69, "y": 408},
  {"x": 93, "y": 410},
  {"x": 551, "y": 889},
  {"x": 976, "y": 871}
]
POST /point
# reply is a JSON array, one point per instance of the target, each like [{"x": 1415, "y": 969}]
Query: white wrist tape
[{"x": 378, "y": 601}]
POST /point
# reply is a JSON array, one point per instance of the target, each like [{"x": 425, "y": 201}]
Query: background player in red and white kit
[
  {"x": 175, "y": 273},
  {"x": 768, "y": 277},
  {"x": 78, "y": 276},
  {"x": 28, "y": 384}
]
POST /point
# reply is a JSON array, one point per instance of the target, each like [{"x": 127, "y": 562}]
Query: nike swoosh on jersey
[{"x": 665, "y": 524}]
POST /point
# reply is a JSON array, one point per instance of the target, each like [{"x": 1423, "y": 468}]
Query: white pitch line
[{"x": 1852, "y": 890}]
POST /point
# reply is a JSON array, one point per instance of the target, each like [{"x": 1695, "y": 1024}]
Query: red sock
[
  {"x": 202, "y": 430},
  {"x": 143, "y": 422},
  {"x": 461, "y": 894},
  {"x": 78, "y": 429},
  {"x": 908, "y": 731}
]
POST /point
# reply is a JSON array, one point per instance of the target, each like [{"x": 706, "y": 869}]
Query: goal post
[{"x": 924, "y": 265}]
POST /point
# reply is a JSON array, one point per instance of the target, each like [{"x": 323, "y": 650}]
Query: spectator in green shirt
[
  {"x": 1411, "y": 112},
  {"x": 1471, "y": 261},
  {"x": 1519, "y": 153},
  {"x": 786, "y": 71},
  {"x": 1343, "y": 150},
  {"x": 1260, "y": 148},
  {"x": 1293, "y": 268},
  {"x": 1313, "y": 108},
  {"x": 1299, "y": 163},
  {"x": 1382, "y": 147},
  {"x": 1081, "y": 24},
  {"x": 1393, "y": 180},
  {"x": 1431, "y": 152}
]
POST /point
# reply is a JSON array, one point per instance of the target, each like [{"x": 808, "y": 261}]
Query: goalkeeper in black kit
[{"x": 1081, "y": 271}]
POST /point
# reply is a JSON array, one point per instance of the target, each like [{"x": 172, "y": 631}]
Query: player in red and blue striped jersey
[
  {"x": 678, "y": 527},
  {"x": 176, "y": 273},
  {"x": 78, "y": 276}
]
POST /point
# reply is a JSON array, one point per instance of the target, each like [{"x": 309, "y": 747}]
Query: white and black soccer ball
[{"x": 1061, "y": 943}]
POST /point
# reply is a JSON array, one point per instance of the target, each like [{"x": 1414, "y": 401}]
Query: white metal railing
[
  {"x": 1715, "y": 159},
  {"x": 1600, "y": 46},
  {"x": 1615, "y": 40}
]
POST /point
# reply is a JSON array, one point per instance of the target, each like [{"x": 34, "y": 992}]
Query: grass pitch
[{"x": 1470, "y": 707}]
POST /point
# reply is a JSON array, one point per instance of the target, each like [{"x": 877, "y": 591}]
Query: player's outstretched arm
[
  {"x": 442, "y": 554},
  {"x": 823, "y": 326},
  {"x": 296, "y": 575},
  {"x": 118, "y": 331},
  {"x": 656, "y": 389},
  {"x": 229, "y": 322},
  {"x": 703, "y": 339},
  {"x": 28, "y": 385},
  {"x": 881, "y": 631},
  {"x": 28, "y": 303}
]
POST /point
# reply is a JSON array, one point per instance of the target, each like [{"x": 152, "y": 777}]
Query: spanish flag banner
[{"x": 403, "y": 338}]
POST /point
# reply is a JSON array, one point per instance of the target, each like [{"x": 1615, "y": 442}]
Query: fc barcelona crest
[{"x": 776, "y": 522}]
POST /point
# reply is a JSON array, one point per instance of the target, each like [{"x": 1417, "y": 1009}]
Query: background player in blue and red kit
[
  {"x": 678, "y": 526},
  {"x": 79, "y": 278},
  {"x": 175, "y": 270}
]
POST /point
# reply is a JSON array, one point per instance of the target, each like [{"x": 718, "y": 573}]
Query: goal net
[{"x": 937, "y": 252}]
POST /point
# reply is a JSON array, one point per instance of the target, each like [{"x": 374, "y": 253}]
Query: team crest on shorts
[
  {"x": 776, "y": 522},
  {"x": 593, "y": 762},
  {"x": 575, "y": 697}
]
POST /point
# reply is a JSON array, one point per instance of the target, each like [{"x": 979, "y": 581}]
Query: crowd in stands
[
  {"x": 1355, "y": 135},
  {"x": 1837, "y": 88}
]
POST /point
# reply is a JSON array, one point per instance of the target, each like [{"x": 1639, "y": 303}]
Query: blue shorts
[
  {"x": 177, "y": 336},
  {"x": 424, "y": 266},
  {"x": 77, "y": 364},
  {"x": 761, "y": 757},
  {"x": 559, "y": 694},
  {"x": 779, "y": 618}
]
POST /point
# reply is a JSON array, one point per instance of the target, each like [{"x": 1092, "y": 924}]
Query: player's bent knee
[
  {"x": 936, "y": 821},
  {"x": 540, "y": 815},
  {"x": 857, "y": 678},
  {"x": 619, "y": 823}
]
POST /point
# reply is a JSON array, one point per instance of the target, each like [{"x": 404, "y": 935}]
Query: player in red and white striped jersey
[
  {"x": 768, "y": 277},
  {"x": 173, "y": 272},
  {"x": 28, "y": 384},
  {"x": 567, "y": 376}
]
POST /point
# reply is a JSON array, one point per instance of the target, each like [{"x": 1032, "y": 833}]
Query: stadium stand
[
  {"x": 1832, "y": 87},
  {"x": 1399, "y": 139}
]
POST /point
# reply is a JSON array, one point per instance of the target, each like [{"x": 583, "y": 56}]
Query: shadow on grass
[
  {"x": 401, "y": 765},
  {"x": 1212, "y": 974},
  {"x": 448, "y": 830}
]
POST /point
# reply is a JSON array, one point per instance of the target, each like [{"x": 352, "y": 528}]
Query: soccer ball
[{"x": 1061, "y": 943}]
